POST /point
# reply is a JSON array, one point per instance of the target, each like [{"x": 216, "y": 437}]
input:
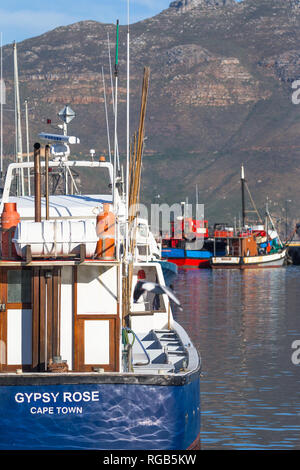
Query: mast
[
  {"x": 66, "y": 115},
  {"x": 19, "y": 149},
  {"x": 106, "y": 116},
  {"x": 112, "y": 94},
  {"x": 27, "y": 146},
  {"x": 128, "y": 131},
  {"x": 267, "y": 219},
  {"x": 243, "y": 195},
  {"x": 116, "y": 112},
  {"x": 110, "y": 70}
]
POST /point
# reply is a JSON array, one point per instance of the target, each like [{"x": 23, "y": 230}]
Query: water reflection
[{"x": 244, "y": 323}]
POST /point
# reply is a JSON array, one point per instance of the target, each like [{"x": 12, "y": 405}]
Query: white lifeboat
[{"x": 56, "y": 237}]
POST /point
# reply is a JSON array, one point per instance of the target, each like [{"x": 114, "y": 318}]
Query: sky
[{"x": 23, "y": 19}]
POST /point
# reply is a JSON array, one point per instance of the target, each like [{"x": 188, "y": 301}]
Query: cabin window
[
  {"x": 142, "y": 250},
  {"x": 143, "y": 230},
  {"x": 19, "y": 286}
]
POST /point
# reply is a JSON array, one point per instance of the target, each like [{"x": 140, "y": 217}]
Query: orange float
[
  {"x": 9, "y": 221},
  {"x": 106, "y": 234}
]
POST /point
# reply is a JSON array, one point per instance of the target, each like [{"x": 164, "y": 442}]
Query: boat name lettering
[
  {"x": 296, "y": 353},
  {"x": 66, "y": 397}
]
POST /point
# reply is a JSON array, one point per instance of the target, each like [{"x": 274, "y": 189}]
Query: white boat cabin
[{"x": 61, "y": 305}]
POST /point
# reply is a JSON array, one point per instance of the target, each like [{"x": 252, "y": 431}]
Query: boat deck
[
  {"x": 160, "y": 351},
  {"x": 160, "y": 357}
]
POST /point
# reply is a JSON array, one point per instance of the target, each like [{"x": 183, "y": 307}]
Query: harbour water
[{"x": 244, "y": 324}]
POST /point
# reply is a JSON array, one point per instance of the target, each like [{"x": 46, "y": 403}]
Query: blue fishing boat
[
  {"x": 91, "y": 357},
  {"x": 78, "y": 370}
]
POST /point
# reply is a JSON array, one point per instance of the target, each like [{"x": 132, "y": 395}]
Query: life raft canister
[
  {"x": 106, "y": 234},
  {"x": 9, "y": 221}
]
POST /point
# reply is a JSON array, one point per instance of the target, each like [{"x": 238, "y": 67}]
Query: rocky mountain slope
[{"x": 220, "y": 95}]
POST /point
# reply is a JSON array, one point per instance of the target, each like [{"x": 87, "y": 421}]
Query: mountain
[
  {"x": 220, "y": 95},
  {"x": 186, "y": 5}
]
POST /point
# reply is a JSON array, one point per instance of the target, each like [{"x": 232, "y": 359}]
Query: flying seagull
[{"x": 143, "y": 286}]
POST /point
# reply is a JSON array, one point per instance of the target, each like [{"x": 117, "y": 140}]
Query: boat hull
[
  {"x": 276, "y": 260},
  {"x": 188, "y": 259},
  {"x": 124, "y": 413},
  {"x": 191, "y": 263}
]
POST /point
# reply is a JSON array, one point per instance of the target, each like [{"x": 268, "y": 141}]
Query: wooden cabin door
[
  {"x": 96, "y": 322},
  {"x": 29, "y": 318},
  {"x": 45, "y": 316},
  {"x": 96, "y": 344},
  {"x": 15, "y": 319}
]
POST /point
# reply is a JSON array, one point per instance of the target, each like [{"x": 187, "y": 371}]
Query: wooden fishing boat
[
  {"x": 272, "y": 260},
  {"x": 251, "y": 246}
]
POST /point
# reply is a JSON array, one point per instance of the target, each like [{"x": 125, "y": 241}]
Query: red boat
[{"x": 189, "y": 245}]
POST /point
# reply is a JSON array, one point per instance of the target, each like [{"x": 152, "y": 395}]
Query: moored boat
[
  {"x": 251, "y": 246},
  {"x": 272, "y": 260},
  {"x": 85, "y": 362},
  {"x": 190, "y": 245}
]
